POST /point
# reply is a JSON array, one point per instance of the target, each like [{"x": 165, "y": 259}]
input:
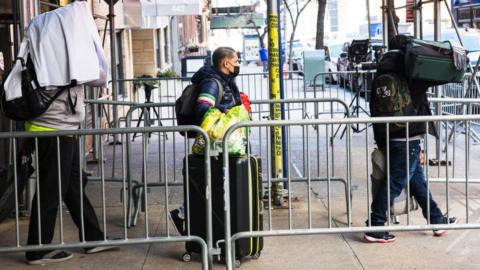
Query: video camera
[
  {"x": 358, "y": 51},
  {"x": 360, "y": 54}
]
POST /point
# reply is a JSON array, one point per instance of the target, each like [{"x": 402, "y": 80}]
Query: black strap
[{"x": 71, "y": 104}]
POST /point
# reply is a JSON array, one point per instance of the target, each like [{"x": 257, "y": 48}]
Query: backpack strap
[
  {"x": 220, "y": 91},
  {"x": 71, "y": 104}
]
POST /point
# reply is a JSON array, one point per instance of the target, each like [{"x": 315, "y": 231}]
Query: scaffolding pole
[
  {"x": 437, "y": 27},
  {"x": 417, "y": 24},
  {"x": 385, "y": 22},
  {"x": 113, "y": 62},
  {"x": 369, "y": 20}
]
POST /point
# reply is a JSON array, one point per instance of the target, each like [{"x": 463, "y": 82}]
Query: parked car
[
  {"x": 331, "y": 54},
  {"x": 298, "y": 48},
  {"x": 331, "y": 58}
]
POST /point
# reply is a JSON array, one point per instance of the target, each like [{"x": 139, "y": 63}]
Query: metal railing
[
  {"x": 143, "y": 160},
  {"x": 309, "y": 143},
  {"x": 255, "y": 85},
  {"x": 352, "y": 176},
  {"x": 353, "y": 87},
  {"x": 259, "y": 112}
]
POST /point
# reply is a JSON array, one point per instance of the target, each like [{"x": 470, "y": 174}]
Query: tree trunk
[
  {"x": 322, "y": 4},
  {"x": 262, "y": 37}
]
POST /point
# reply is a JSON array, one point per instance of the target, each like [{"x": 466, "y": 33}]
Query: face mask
[{"x": 236, "y": 71}]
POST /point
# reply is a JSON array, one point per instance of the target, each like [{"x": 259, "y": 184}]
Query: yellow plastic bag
[
  {"x": 226, "y": 120},
  {"x": 211, "y": 118},
  {"x": 216, "y": 124}
]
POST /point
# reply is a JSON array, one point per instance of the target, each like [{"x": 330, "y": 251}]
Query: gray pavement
[{"x": 412, "y": 250}]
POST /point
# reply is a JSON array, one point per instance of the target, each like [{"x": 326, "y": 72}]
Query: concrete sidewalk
[{"x": 412, "y": 250}]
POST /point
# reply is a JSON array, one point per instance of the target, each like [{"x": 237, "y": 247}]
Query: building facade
[{"x": 141, "y": 49}]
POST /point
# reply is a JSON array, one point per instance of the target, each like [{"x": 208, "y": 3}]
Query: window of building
[
  {"x": 166, "y": 47},
  {"x": 158, "y": 47},
  {"x": 332, "y": 7},
  {"x": 464, "y": 15},
  {"x": 476, "y": 14}
]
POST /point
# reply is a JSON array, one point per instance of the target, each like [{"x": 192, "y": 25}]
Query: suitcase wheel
[
  {"x": 186, "y": 257},
  {"x": 238, "y": 263},
  {"x": 256, "y": 256}
]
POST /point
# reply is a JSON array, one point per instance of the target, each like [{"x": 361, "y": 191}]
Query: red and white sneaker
[
  {"x": 440, "y": 233},
  {"x": 379, "y": 237}
]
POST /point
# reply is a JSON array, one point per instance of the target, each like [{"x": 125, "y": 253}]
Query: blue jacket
[{"x": 204, "y": 78}]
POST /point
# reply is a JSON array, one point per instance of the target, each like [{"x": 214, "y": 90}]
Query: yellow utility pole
[{"x": 275, "y": 109}]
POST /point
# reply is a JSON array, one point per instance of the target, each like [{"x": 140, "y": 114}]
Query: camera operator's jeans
[{"x": 398, "y": 181}]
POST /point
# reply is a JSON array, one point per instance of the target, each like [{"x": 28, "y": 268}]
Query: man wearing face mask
[{"x": 224, "y": 69}]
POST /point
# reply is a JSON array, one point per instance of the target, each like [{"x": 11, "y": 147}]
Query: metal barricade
[
  {"x": 456, "y": 106},
  {"x": 144, "y": 160},
  {"x": 167, "y": 89},
  {"x": 259, "y": 112},
  {"x": 255, "y": 85},
  {"x": 356, "y": 154},
  {"x": 353, "y": 87}
]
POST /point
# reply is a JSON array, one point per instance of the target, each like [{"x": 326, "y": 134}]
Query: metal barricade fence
[
  {"x": 353, "y": 87},
  {"x": 135, "y": 185},
  {"x": 465, "y": 90},
  {"x": 144, "y": 160},
  {"x": 165, "y": 112},
  {"x": 168, "y": 89},
  {"x": 356, "y": 154},
  {"x": 260, "y": 111}
]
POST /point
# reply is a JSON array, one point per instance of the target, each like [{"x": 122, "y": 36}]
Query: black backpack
[
  {"x": 392, "y": 61},
  {"x": 35, "y": 99},
  {"x": 391, "y": 97},
  {"x": 185, "y": 105}
]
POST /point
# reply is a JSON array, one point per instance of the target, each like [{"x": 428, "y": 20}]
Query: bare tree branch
[
  {"x": 261, "y": 37},
  {"x": 294, "y": 20},
  {"x": 287, "y": 6},
  {"x": 304, "y": 6}
]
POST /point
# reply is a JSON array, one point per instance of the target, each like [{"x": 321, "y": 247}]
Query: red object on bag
[{"x": 246, "y": 101}]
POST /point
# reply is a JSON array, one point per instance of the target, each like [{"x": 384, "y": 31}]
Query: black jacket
[{"x": 204, "y": 78}]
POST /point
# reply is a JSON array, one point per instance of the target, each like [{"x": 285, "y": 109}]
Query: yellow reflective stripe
[{"x": 29, "y": 126}]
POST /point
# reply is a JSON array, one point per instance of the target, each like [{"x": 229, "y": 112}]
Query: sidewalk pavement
[{"x": 412, "y": 250}]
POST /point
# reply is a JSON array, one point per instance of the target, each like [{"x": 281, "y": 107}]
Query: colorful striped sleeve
[{"x": 207, "y": 99}]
